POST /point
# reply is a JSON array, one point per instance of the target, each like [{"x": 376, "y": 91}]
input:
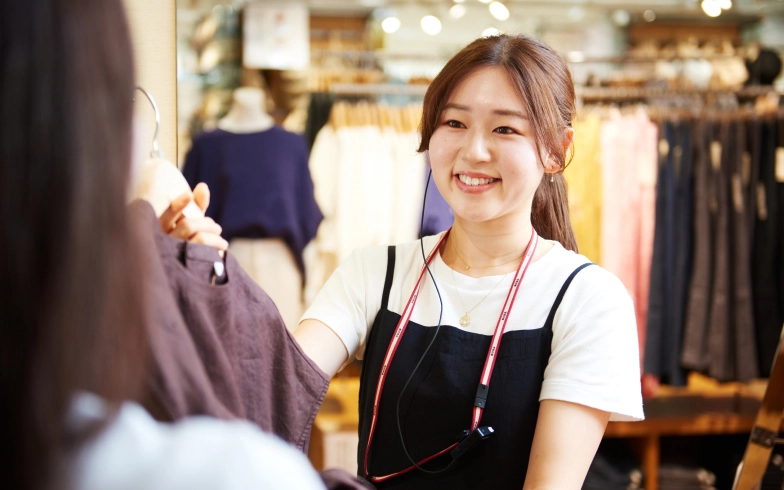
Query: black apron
[{"x": 437, "y": 405}]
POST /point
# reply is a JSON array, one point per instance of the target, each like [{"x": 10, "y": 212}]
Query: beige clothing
[{"x": 271, "y": 264}]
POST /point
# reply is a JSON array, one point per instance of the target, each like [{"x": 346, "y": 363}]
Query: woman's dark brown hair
[
  {"x": 70, "y": 294},
  {"x": 545, "y": 87}
]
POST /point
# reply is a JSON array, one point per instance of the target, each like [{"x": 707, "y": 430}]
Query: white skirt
[{"x": 271, "y": 264}]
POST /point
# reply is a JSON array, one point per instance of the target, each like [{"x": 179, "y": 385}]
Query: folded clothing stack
[{"x": 677, "y": 477}]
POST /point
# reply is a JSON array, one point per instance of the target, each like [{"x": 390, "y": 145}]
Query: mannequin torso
[{"x": 247, "y": 113}]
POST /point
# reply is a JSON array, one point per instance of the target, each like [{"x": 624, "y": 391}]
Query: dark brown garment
[
  {"x": 222, "y": 350},
  {"x": 746, "y": 364},
  {"x": 694, "y": 353}
]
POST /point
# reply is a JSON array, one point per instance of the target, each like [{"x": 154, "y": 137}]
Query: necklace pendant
[
  {"x": 467, "y": 267},
  {"x": 465, "y": 320}
]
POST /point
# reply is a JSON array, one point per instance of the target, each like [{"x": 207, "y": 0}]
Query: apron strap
[
  {"x": 549, "y": 323},
  {"x": 390, "y": 275}
]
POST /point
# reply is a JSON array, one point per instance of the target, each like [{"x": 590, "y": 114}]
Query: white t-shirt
[
  {"x": 135, "y": 451},
  {"x": 594, "y": 359}
]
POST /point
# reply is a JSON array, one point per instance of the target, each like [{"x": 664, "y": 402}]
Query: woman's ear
[{"x": 567, "y": 139}]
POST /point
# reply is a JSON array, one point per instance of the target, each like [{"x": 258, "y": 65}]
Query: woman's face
[{"x": 483, "y": 152}]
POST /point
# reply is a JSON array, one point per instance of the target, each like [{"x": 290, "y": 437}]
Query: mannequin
[
  {"x": 262, "y": 196},
  {"x": 247, "y": 113}
]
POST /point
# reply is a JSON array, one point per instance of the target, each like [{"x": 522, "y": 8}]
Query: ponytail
[{"x": 550, "y": 212}]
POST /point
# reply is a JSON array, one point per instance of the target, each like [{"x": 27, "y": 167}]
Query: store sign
[{"x": 276, "y": 36}]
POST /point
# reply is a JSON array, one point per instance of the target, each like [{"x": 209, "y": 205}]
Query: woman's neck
[{"x": 489, "y": 249}]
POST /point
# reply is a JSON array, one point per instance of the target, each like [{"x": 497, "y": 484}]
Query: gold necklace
[
  {"x": 465, "y": 320},
  {"x": 485, "y": 267}
]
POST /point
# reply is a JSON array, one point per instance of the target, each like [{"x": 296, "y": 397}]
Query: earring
[{"x": 552, "y": 179}]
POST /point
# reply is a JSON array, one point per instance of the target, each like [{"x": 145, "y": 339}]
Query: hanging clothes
[
  {"x": 369, "y": 183},
  {"x": 260, "y": 185},
  {"x": 671, "y": 254},
  {"x": 719, "y": 335},
  {"x": 628, "y": 152},
  {"x": 584, "y": 185},
  {"x": 221, "y": 350},
  {"x": 318, "y": 115},
  {"x": 768, "y": 246}
]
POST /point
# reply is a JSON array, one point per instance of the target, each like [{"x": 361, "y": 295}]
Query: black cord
[{"x": 438, "y": 327}]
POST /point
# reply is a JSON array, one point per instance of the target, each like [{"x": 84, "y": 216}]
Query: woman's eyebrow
[
  {"x": 508, "y": 112},
  {"x": 499, "y": 112}
]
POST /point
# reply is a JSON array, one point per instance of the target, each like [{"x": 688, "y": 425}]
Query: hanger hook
[{"x": 155, "y": 153}]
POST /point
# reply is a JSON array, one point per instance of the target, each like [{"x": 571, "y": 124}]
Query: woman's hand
[{"x": 197, "y": 230}]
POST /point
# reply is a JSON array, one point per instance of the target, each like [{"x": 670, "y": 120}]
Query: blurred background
[{"x": 676, "y": 185}]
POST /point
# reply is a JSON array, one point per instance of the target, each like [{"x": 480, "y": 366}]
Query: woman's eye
[
  {"x": 505, "y": 130},
  {"x": 454, "y": 124}
]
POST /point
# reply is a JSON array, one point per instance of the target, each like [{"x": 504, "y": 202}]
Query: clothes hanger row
[{"x": 402, "y": 119}]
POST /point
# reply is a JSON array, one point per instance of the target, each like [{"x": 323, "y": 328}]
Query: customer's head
[
  {"x": 69, "y": 294},
  {"x": 541, "y": 86}
]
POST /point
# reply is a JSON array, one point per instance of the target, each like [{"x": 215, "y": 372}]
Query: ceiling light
[
  {"x": 459, "y": 1},
  {"x": 390, "y": 24},
  {"x": 499, "y": 11},
  {"x": 491, "y": 31},
  {"x": 711, "y": 8},
  {"x": 575, "y": 56},
  {"x": 431, "y": 25},
  {"x": 485, "y": 1},
  {"x": 724, "y": 4},
  {"x": 621, "y": 17},
  {"x": 457, "y": 11},
  {"x": 649, "y": 15}
]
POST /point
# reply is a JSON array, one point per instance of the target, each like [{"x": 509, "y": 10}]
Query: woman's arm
[
  {"x": 321, "y": 345},
  {"x": 565, "y": 442}
]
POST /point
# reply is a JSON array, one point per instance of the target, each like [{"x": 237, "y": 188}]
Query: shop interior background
[{"x": 622, "y": 53}]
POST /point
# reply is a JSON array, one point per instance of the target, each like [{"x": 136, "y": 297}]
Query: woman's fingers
[
  {"x": 211, "y": 240},
  {"x": 201, "y": 195},
  {"x": 173, "y": 213},
  {"x": 186, "y": 228}
]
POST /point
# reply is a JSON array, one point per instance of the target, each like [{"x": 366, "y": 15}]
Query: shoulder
[
  {"x": 286, "y": 136},
  {"x": 406, "y": 254},
  {"x": 590, "y": 281}
]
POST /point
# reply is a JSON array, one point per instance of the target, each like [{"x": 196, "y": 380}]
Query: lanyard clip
[
  {"x": 471, "y": 440},
  {"x": 481, "y": 395}
]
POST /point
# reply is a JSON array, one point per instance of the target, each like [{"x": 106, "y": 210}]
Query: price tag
[
  {"x": 762, "y": 204},
  {"x": 715, "y": 152},
  {"x": 737, "y": 192},
  {"x": 746, "y": 168}
]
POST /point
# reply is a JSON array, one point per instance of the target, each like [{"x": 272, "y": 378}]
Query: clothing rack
[
  {"x": 599, "y": 94},
  {"x": 377, "y": 89}
]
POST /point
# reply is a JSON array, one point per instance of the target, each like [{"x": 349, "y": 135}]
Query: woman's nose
[{"x": 476, "y": 149}]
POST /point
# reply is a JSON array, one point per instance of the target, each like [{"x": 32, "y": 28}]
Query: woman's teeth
[{"x": 474, "y": 181}]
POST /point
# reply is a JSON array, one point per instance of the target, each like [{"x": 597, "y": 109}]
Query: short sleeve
[
  {"x": 351, "y": 298},
  {"x": 595, "y": 353}
]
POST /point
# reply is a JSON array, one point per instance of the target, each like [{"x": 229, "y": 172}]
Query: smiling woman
[{"x": 502, "y": 297}]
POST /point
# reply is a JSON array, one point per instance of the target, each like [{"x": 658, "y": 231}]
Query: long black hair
[{"x": 70, "y": 295}]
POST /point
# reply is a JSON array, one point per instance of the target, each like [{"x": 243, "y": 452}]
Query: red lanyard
[{"x": 487, "y": 371}]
